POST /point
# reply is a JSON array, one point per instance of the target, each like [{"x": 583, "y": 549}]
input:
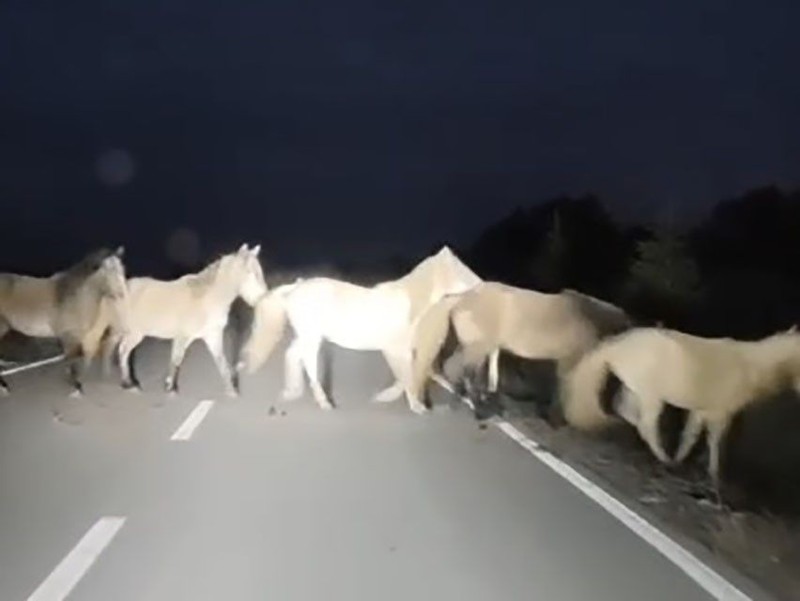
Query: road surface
[{"x": 366, "y": 502}]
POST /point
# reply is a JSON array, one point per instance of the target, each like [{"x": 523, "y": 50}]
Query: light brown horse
[
  {"x": 64, "y": 306},
  {"x": 528, "y": 324},
  {"x": 636, "y": 374},
  {"x": 186, "y": 309}
]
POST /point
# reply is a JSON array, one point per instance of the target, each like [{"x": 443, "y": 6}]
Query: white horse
[
  {"x": 192, "y": 307},
  {"x": 378, "y": 318},
  {"x": 636, "y": 374}
]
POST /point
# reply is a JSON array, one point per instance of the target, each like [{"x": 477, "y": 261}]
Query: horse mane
[
  {"x": 209, "y": 272},
  {"x": 207, "y": 276},
  {"x": 68, "y": 281},
  {"x": 610, "y": 318}
]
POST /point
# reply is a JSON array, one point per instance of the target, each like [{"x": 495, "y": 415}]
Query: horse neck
[
  {"x": 219, "y": 284},
  {"x": 418, "y": 284},
  {"x": 80, "y": 303},
  {"x": 69, "y": 284},
  {"x": 777, "y": 354}
]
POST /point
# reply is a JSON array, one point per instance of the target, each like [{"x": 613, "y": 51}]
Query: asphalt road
[{"x": 366, "y": 502}]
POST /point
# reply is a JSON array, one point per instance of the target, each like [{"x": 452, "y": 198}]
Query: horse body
[
  {"x": 351, "y": 316},
  {"x": 378, "y": 318},
  {"x": 711, "y": 378},
  {"x": 531, "y": 325},
  {"x": 28, "y": 305},
  {"x": 191, "y": 307},
  {"x": 64, "y": 305},
  {"x": 169, "y": 309}
]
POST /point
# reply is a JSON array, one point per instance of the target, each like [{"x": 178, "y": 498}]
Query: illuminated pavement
[{"x": 366, "y": 502}]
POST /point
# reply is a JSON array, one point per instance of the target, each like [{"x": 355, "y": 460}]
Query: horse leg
[
  {"x": 176, "y": 355},
  {"x": 293, "y": 383},
  {"x": 394, "y": 391},
  {"x": 494, "y": 370},
  {"x": 4, "y": 329},
  {"x": 474, "y": 361},
  {"x": 73, "y": 356},
  {"x": 215, "y": 343},
  {"x": 389, "y": 394},
  {"x": 715, "y": 433},
  {"x": 691, "y": 432},
  {"x": 109, "y": 345},
  {"x": 127, "y": 344},
  {"x": 309, "y": 352},
  {"x": 399, "y": 361},
  {"x": 648, "y": 428}
]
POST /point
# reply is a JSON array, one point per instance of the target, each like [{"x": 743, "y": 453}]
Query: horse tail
[
  {"x": 590, "y": 391},
  {"x": 269, "y": 323},
  {"x": 428, "y": 338}
]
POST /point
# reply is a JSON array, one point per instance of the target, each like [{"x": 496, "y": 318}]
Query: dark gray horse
[{"x": 63, "y": 306}]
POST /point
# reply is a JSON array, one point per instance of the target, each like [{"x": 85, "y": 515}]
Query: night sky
[{"x": 334, "y": 128}]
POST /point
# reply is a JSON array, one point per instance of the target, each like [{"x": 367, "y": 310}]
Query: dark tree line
[{"x": 737, "y": 273}]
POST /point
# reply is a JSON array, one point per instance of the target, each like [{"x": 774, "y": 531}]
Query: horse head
[
  {"x": 112, "y": 275},
  {"x": 252, "y": 285}
]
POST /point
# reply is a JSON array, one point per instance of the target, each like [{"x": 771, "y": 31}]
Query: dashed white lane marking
[
  {"x": 68, "y": 573},
  {"x": 187, "y": 428},
  {"x": 704, "y": 575},
  {"x": 32, "y": 365}
]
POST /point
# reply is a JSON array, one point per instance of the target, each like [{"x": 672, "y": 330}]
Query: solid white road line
[
  {"x": 704, "y": 575},
  {"x": 63, "y": 579},
  {"x": 32, "y": 365},
  {"x": 184, "y": 432}
]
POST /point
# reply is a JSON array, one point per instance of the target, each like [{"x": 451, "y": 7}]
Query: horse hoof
[
  {"x": 76, "y": 393},
  {"x": 419, "y": 408},
  {"x": 291, "y": 395},
  {"x": 134, "y": 388},
  {"x": 326, "y": 407},
  {"x": 387, "y": 396},
  {"x": 232, "y": 394},
  {"x": 4, "y": 391}
]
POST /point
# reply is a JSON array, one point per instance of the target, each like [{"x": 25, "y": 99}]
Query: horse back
[
  {"x": 349, "y": 315},
  {"x": 24, "y": 285},
  {"x": 28, "y": 303}
]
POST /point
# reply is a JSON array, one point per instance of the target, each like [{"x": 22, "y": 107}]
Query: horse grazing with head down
[
  {"x": 377, "y": 318},
  {"x": 638, "y": 374},
  {"x": 64, "y": 306}
]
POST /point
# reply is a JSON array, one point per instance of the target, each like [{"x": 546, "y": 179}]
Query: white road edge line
[
  {"x": 32, "y": 365},
  {"x": 704, "y": 575},
  {"x": 187, "y": 428},
  {"x": 68, "y": 573}
]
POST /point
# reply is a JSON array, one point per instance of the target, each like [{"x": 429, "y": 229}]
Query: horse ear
[
  {"x": 243, "y": 249},
  {"x": 255, "y": 250},
  {"x": 120, "y": 251},
  {"x": 793, "y": 329}
]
